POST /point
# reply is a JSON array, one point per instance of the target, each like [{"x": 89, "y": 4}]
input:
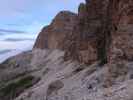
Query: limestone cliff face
[
  {"x": 54, "y": 36},
  {"x": 102, "y": 31},
  {"x": 91, "y": 33},
  {"x": 105, "y": 30},
  {"x": 122, "y": 37}
]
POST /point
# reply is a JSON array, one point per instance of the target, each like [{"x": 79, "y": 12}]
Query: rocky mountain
[
  {"x": 55, "y": 35},
  {"x": 84, "y": 56}
]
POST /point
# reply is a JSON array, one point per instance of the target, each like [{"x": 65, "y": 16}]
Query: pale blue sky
[{"x": 30, "y": 15}]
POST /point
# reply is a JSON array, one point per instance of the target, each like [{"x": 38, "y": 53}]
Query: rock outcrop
[
  {"x": 122, "y": 37},
  {"x": 55, "y": 35},
  {"x": 121, "y": 42},
  {"x": 102, "y": 31},
  {"x": 89, "y": 40}
]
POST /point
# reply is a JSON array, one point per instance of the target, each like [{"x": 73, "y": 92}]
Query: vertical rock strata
[
  {"x": 122, "y": 37},
  {"x": 102, "y": 31}
]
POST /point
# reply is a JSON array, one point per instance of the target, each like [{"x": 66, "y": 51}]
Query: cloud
[
  {"x": 31, "y": 15},
  {"x": 18, "y": 39},
  {"x": 15, "y": 45},
  {"x": 5, "y": 51},
  {"x": 31, "y": 9},
  {"x": 11, "y": 31}
]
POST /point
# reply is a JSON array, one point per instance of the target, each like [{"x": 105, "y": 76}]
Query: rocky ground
[{"x": 49, "y": 77}]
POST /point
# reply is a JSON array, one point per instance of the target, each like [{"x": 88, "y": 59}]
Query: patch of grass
[
  {"x": 13, "y": 89},
  {"x": 8, "y": 63}
]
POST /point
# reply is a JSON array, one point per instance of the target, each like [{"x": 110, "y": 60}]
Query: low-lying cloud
[
  {"x": 5, "y": 51},
  {"x": 10, "y": 31},
  {"x": 18, "y": 39}
]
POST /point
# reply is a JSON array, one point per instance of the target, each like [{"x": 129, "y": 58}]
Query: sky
[{"x": 22, "y": 20}]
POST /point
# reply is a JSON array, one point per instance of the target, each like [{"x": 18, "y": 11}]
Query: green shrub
[
  {"x": 82, "y": 7},
  {"x": 13, "y": 89}
]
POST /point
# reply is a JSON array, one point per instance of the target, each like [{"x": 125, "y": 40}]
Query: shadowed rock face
[
  {"x": 102, "y": 31},
  {"x": 122, "y": 37},
  {"x": 89, "y": 37},
  {"x": 55, "y": 35},
  {"x": 77, "y": 35}
]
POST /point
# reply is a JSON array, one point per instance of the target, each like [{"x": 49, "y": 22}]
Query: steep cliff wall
[
  {"x": 92, "y": 33},
  {"x": 55, "y": 35},
  {"x": 122, "y": 37},
  {"x": 102, "y": 31},
  {"x": 105, "y": 30}
]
